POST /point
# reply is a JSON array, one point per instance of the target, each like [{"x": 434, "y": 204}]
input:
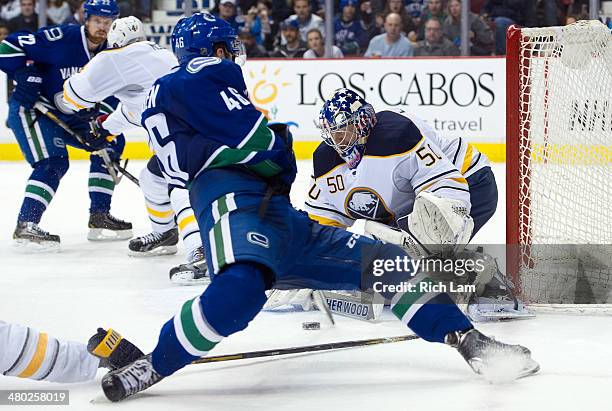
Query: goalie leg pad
[{"x": 435, "y": 220}]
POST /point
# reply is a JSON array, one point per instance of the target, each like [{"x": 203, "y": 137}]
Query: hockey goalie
[{"x": 426, "y": 193}]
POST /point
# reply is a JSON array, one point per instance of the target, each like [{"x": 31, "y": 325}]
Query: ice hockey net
[{"x": 559, "y": 163}]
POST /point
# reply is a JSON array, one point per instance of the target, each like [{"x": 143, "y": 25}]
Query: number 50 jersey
[
  {"x": 199, "y": 117},
  {"x": 403, "y": 156}
]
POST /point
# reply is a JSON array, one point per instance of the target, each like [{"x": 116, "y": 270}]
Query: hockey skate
[
  {"x": 155, "y": 244},
  {"x": 192, "y": 273},
  {"x": 30, "y": 236},
  {"x": 112, "y": 349},
  {"x": 492, "y": 359},
  {"x": 105, "y": 227},
  {"x": 495, "y": 299},
  {"x": 131, "y": 379}
]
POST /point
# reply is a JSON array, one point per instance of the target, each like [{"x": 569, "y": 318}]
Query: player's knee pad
[
  {"x": 153, "y": 187},
  {"x": 153, "y": 166},
  {"x": 234, "y": 297},
  {"x": 53, "y": 167}
]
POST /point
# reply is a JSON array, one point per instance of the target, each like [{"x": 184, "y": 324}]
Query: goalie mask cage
[{"x": 559, "y": 163}]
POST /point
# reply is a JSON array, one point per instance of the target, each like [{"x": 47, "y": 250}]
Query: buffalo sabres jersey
[
  {"x": 403, "y": 156},
  {"x": 58, "y": 52},
  {"x": 126, "y": 73},
  {"x": 199, "y": 117}
]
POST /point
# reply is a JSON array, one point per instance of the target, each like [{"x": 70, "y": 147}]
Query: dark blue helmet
[
  {"x": 195, "y": 36},
  {"x": 103, "y": 8},
  {"x": 343, "y": 109}
]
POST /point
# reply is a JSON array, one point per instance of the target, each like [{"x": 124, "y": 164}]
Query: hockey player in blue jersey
[
  {"x": 39, "y": 63},
  {"x": 210, "y": 138}
]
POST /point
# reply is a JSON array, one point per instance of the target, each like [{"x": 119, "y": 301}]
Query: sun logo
[{"x": 265, "y": 90}]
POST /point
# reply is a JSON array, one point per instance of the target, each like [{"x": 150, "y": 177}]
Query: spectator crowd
[
  {"x": 368, "y": 28},
  {"x": 16, "y": 15},
  {"x": 387, "y": 28}
]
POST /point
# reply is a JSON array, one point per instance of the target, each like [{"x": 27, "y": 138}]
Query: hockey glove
[
  {"x": 99, "y": 137},
  {"x": 99, "y": 128},
  {"x": 27, "y": 90},
  {"x": 94, "y": 142},
  {"x": 88, "y": 114}
]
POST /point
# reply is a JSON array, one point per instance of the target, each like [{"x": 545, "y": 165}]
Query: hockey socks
[
  {"x": 227, "y": 306},
  {"x": 430, "y": 315},
  {"x": 41, "y": 188}
]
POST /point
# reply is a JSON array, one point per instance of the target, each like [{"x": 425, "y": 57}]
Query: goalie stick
[{"x": 305, "y": 348}]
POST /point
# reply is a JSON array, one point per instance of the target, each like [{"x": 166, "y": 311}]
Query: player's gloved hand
[
  {"x": 27, "y": 90},
  {"x": 94, "y": 142},
  {"x": 88, "y": 114},
  {"x": 102, "y": 132}
]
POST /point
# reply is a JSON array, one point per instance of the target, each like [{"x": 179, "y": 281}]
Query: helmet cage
[{"x": 335, "y": 130}]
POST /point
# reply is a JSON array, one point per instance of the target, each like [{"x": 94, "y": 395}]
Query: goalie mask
[{"x": 346, "y": 121}]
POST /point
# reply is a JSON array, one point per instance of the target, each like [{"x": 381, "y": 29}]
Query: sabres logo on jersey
[{"x": 363, "y": 202}]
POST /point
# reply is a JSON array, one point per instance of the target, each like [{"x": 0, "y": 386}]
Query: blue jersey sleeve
[
  {"x": 24, "y": 46},
  {"x": 200, "y": 118}
]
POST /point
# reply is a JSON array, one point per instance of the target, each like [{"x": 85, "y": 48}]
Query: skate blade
[
  {"x": 29, "y": 246},
  {"x": 186, "y": 279},
  {"x": 480, "y": 316},
  {"x": 156, "y": 252},
  {"x": 103, "y": 234},
  {"x": 503, "y": 370}
]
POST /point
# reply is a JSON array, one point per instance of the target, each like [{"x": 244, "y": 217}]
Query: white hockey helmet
[{"x": 124, "y": 31}]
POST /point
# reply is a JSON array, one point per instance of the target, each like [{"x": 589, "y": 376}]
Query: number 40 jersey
[{"x": 403, "y": 156}]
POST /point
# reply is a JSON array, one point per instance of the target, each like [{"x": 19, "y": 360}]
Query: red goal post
[{"x": 559, "y": 163}]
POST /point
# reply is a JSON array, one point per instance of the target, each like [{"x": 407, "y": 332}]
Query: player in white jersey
[
  {"x": 413, "y": 187},
  {"x": 127, "y": 70},
  {"x": 27, "y": 353}
]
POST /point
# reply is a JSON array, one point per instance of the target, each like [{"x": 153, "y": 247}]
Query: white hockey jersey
[
  {"x": 26, "y": 353},
  {"x": 403, "y": 156},
  {"x": 126, "y": 73}
]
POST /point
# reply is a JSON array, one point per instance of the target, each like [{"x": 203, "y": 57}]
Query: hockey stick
[
  {"x": 305, "y": 348},
  {"x": 102, "y": 153},
  {"x": 321, "y": 301},
  {"x": 130, "y": 176}
]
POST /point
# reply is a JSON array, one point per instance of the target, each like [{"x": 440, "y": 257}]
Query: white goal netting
[{"x": 565, "y": 163}]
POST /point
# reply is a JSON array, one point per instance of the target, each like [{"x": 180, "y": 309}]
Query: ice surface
[{"x": 88, "y": 285}]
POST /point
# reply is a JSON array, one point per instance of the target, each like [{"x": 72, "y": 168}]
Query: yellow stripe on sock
[
  {"x": 186, "y": 221},
  {"x": 37, "y": 358},
  {"x": 108, "y": 344},
  {"x": 160, "y": 214}
]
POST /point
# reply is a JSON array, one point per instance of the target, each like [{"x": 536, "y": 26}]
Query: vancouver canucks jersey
[
  {"x": 403, "y": 156},
  {"x": 199, "y": 117},
  {"x": 58, "y": 52}
]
